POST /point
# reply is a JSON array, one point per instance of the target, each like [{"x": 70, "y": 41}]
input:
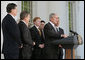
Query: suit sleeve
[
  {"x": 59, "y": 41},
  {"x": 37, "y": 42},
  {"x": 32, "y": 34},
  {"x": 48, "y": 31},
  {"x": 25, "y": 35},
  {"x": 13, "y": 29}
]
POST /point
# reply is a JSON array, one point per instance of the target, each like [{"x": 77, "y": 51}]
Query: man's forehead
[
  {"x": 38, "y": 20},
  {"x": 42, "y": 23},
  {"x": 56, "y": 15}
]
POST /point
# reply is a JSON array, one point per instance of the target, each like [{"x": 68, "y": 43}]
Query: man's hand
[
  {"x": 64, "y": 36},
  {"x": 21, "y": 46},
  {"x": 60, "y": 45},
  {"x": 41, "y": 45},
  {"x": 33, "y": 43}
]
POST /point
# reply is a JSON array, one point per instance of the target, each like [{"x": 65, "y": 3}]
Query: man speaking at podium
[{"x": 51, "y": 34}]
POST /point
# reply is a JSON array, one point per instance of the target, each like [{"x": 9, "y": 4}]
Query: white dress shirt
[{"x": 37, "y": 27}]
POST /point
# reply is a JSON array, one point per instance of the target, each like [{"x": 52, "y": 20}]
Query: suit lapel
[
  {"x": 51, "y": 26},
  {"x": 36, "y": 30},
  {"x": 24, "y": 23}
]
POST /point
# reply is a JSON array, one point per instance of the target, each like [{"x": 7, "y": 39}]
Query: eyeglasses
[{"x": 38, "y": 21}]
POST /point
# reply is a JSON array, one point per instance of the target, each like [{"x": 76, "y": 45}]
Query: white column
[{"x": 80, "y": 26}]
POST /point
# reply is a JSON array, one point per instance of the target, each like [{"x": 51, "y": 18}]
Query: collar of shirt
[
  {"x": 52, "y": 24},
  {"x": 25, "y": 22},
  {"x": 37, "y": 27},
  {"x": 12, "y": 16}
]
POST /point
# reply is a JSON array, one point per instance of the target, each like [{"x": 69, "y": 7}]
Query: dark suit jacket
[
  {"x": 26, "y": 40},
  {"x": 61, "y": 31},
  {"x": 35, "y": 36},
  {"x": 37, "y": 52},
  {"x": 50, "y": 33},
  {"x": 11, "y": 35},
  {"x": 42, "y": 36},
  {"x": 52, "y": 50}
]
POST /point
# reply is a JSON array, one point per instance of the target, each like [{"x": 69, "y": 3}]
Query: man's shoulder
[
  {"x": 48, "y": 25},
  {"x": 22, "y": 24},
  {"x": 8, "y": 17},
  {"x": 32, "y": 28}
]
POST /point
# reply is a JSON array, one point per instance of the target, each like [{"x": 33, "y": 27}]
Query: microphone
[{"x": 73, "y": 32}]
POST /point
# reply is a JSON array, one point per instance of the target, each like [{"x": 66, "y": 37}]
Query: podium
[{"x": 69, "y": 44}]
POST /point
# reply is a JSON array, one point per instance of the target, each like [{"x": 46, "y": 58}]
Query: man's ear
[
  {"x": 50, "y": 19},
  {"x": 24, "y": 18},
  {"x": 11, "y": 10}
]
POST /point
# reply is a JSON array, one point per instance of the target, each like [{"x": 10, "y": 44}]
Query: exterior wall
[{"x": 80, "y": 26}]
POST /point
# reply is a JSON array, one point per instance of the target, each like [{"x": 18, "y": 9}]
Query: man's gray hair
[{"x": 51, "y": 15}]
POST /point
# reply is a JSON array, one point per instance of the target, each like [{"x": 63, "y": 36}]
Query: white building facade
[{"x": 44, "y": 8}]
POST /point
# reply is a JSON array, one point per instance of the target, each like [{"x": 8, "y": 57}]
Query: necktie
[
  {"x": 43, "y": 34},
  {"x": 39, "y": 32},
  {"x": 57, "y": 29}
]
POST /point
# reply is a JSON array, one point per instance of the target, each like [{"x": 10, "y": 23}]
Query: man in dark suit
[
  {"x": 26, "y": 39},
  {"x": 43, "y": 38},
  {"x": 51, "y": 34},
  {"x": 41, "y": 29},
  {"x": 11, "y": 33},
  {"x": 60, "y": 31},
  {"x": 36, "y": 36}
]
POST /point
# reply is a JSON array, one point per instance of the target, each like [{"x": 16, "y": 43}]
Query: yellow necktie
[{"x": 39, "y": 32}]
